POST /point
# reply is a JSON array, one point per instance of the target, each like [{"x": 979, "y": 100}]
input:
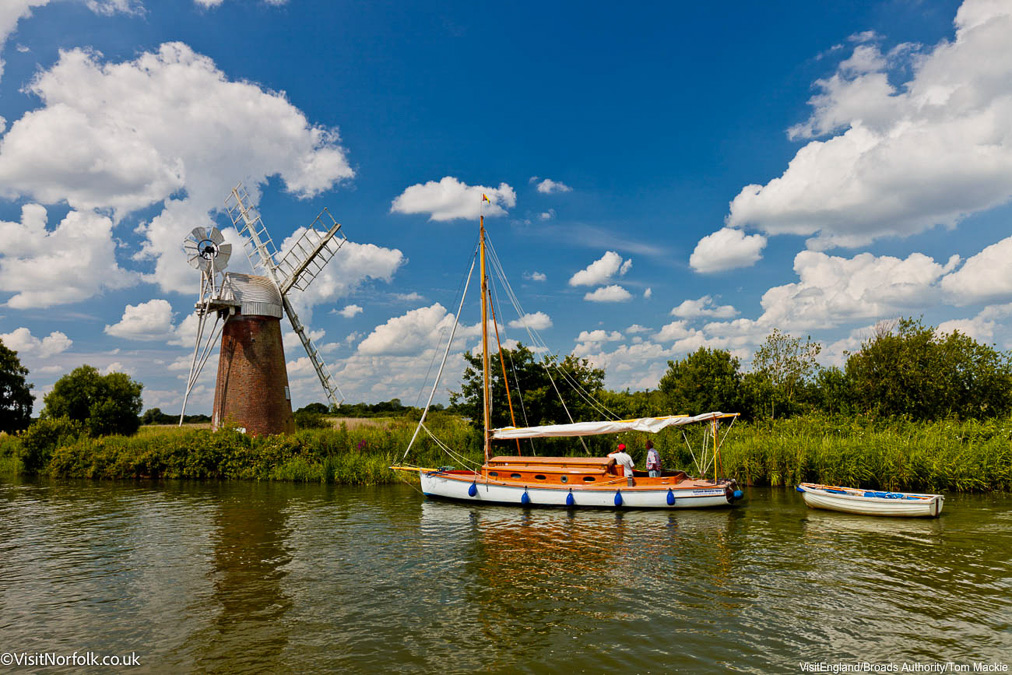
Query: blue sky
[{"x": 663, "y": 176}]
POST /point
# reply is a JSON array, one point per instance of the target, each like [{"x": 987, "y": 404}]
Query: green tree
[
  {"x": 537, "y": 389},
  {"x": 103, "y": 404},
  {"x": 831, "y": 391},
  {"x": 629, "y": 404},
  {"x": 156, "y": 416},
  {"x": 706, "y": 380},
  {"x": 914, "y": 371},
  {"x": 16, "y": 397},
  {"x": 781, "y": 368}
]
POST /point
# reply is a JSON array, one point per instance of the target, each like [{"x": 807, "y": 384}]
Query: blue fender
[
  {"x": 738, "y": 494},
  {"x": 525, "y": 498},
  {"x": 671, "y": 497},
  {"x": 618, "y": 498},
  {"x": 570, "y": 501}
]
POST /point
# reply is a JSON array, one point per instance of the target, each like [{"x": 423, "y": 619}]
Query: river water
[{"x": 268, "y": 577}]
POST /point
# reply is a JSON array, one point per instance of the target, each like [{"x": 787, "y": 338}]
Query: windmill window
[
  {"x": 589, "y": 479},
  {"x": 515, "y": 476}
]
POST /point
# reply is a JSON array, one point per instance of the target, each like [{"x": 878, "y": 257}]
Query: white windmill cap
[{"x": 256, "y": 295}]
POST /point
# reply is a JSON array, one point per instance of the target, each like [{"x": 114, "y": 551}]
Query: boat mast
[{"x": 484, "y": 338}]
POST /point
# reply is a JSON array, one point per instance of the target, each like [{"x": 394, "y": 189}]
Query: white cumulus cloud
[
  {"x": 704, "y": 306},
  {"x": 676, "y": 330},
  {"x": 151, "y": 320},
  {"x": 352, "y": 266},
  {"x": 906, "y": 155},
  {"x": 548, "y": 186},
  {"x": 832, "y": 290},
  {"x": 69, "y": 264},
  {"x": 535, "y": 321},
  {"x": 350, "y": 311},
  {"x": 451, "y": 199},
  {"x": 598, "y": 335},
  {"x": 601, "y": 271},
  {"x": 727, "y": 248},
  {"x": 165, "y": 128},
  {"x": 410, "y": 333},
  {"x": 982, "y": 327},
  {"x": 613, "y": 293},
  {"x": 984, "y": 276},
  {"x": 24, "y": 343}
]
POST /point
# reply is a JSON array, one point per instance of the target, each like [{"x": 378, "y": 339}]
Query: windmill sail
[
  {"x": 310, "y": 253},
  {"x": 296, "y": 269}
]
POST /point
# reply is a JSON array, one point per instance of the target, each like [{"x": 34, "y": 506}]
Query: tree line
[{"x": 906, "y": 370}]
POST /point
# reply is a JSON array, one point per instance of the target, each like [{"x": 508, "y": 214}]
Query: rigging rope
[
  {"x": 516, "y": 379},
  {"x": 505, "y": 381},
  {"x": 446, "y": 353},
  {"x": 539, "y": 342},
  {"x": 442, "y": 332},
  {"x": 450, "y": 452}
]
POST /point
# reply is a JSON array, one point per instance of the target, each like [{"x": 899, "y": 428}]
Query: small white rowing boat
[{"x": 870, "y": 502}]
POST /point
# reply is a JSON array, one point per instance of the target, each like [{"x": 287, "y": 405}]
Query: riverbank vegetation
[
  {"x": 968, "y": 456},
  {"x": 912, "y": 410}
]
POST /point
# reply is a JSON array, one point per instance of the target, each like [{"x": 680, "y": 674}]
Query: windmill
[{"x": 251, "y": 390}]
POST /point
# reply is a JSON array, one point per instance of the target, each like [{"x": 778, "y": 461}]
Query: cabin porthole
[
  {"x": 515, "y": 476},
  {"x": 493, "y": 474},
  {"x": 564, "y": 479},
  {"x": 539, "y": 477},
  {"x": 589, "y": 479}
]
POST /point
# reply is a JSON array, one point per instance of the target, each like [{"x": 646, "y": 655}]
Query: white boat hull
[
  {"x": 436, "y": 484},
  {"x": 848, "y": 500}
]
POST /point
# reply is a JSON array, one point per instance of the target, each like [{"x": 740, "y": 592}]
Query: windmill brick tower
[{"x": 251, "y": 391}]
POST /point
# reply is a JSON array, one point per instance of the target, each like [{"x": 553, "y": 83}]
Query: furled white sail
[{"x": 648, "y": 424}]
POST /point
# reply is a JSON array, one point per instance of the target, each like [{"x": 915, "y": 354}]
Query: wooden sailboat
[{"x": 574, "y": 481}]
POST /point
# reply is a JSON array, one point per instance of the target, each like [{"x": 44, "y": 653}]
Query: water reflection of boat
[
  {"x": 870, "y": 502},
  {"x": 571, "y": 556},
  {"x": 821, "y": 522},
  {"x": 572, "y": 481}
]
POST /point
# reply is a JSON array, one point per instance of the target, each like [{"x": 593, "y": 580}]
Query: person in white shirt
[{"x": 621, "y": 457}]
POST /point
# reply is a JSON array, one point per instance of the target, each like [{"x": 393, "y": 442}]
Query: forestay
[{"x": 648, "y": 424}]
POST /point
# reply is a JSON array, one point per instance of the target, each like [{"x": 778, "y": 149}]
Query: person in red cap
[{"x": 622, "y": 457}]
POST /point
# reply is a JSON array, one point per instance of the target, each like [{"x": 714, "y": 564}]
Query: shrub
[
  {"x": 307, "y": 419},
  {"x": 43, "y": 437}
]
